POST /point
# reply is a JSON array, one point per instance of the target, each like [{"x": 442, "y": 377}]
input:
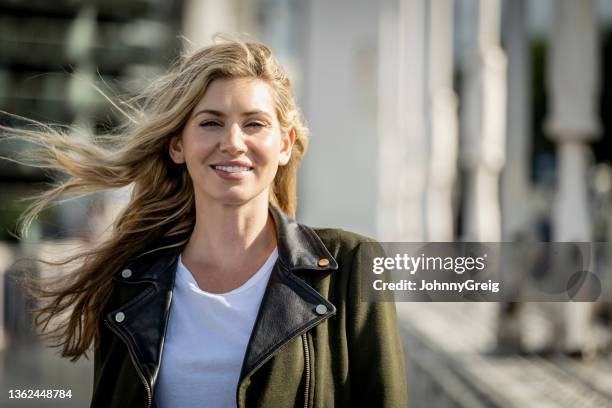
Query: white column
[
  {"x": 337, "y": 184},
  {"x": 6, "y": 260},
  {"x": 276, "y": 29},
  {"x": 282, "y": 26},
  {"x": 442, "y": 123},
  {"x": 83, "y": 100},
  {"x": 402, "y": 128},
  {"x": 484, "y": 125},
  {"x": 516, "y": 205},
  {"x": 572, "y": 123},
  {"x": 203, "y": 18}
]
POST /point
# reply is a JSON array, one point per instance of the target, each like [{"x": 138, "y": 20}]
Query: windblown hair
[{"x": 161, "y": 208}]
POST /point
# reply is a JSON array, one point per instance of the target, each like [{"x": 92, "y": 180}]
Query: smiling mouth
[{"x": 232, "y": 169}]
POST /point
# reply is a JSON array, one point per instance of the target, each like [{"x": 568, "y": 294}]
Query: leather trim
[
  {"x": 299, "y": 247},
  {"x": 287, "y": 310},
  {"x": 146, "y": 318}
]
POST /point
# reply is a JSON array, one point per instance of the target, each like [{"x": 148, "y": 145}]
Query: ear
[
  {"x": 288, "y": 139},
  {"x": 176, "y": 149}
]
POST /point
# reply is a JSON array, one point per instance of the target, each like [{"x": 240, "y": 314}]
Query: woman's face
[{"x": 232, "y": 144}]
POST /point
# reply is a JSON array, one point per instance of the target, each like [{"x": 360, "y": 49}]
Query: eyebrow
[{"x": 221, "y": 114}]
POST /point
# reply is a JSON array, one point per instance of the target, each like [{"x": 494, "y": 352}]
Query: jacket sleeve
[{"x": 376, "y": 359}]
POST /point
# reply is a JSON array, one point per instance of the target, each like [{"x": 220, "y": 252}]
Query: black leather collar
[
  {"x": 298, "y": 248},
  {"x": 288, "y": 308}
]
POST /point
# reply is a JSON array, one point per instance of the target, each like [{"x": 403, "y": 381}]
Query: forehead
[{"x": 237, "y": 95}]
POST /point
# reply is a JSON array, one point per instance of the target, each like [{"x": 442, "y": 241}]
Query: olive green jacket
[{"x": 314, "y": 344}]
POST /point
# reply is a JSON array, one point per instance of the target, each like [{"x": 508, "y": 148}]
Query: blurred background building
[{"x": 440, "y": 120}]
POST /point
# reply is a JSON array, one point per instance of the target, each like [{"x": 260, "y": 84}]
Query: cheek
[
  {"x": 269, "y": 147},
  {"x": 198, "y": 147}
]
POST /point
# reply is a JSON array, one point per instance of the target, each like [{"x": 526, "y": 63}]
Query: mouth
[{"x": 232, "y": 169}]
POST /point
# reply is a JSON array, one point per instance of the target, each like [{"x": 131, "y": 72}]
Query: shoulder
[
  {"x": 341, "y": 238},
  {"x": 343, "y": 244}
]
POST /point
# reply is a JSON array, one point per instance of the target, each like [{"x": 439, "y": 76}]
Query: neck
[{"x": 227, "y": 236}]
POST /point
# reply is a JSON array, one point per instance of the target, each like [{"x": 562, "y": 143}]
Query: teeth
[{"x": 232, "y": 169}]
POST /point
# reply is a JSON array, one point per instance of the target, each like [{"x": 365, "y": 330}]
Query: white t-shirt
[{"x": 206, "y": 340}]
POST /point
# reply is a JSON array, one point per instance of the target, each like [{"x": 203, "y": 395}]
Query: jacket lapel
[
  {"x": 145, "y": 317},
  {"x": 287, "y": 310},
  {"x": 289, "y": 307}
]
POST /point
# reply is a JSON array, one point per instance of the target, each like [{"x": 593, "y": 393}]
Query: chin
[
  {"x": 232, "y": 197},
  {"x": 235, "y": 201}
]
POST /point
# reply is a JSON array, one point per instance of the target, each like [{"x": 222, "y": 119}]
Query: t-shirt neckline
[{"x": 186, "y": 276}]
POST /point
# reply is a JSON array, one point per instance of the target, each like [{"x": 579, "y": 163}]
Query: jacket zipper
[
  {"x": 136, "y": 366},
  {"x": 307, "y": 364}
]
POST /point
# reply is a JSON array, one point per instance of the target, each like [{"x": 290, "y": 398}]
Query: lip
[
  {"x": 232, "y": 176},
  {"x": 237, "y": 163}
]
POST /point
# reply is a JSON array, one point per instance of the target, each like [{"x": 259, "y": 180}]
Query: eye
[
  {"x": 210, "y": 124},
  {"x": 256, "y": 124}
]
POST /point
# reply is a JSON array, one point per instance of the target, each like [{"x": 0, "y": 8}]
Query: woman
[{"x": 207, "y": 292}]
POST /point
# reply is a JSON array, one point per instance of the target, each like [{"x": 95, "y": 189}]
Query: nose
[{"x": 232, "y": 141}]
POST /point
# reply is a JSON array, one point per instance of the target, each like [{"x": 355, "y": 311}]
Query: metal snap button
[
  {"x": 119, "y": 317},
  {"x": 126, "y": 273},
  {"x": 321, "y": 309},
  {"x": 323, "y": 262}
]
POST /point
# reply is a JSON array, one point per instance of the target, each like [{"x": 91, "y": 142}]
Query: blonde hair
[{"x": 160, "y": 212}]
